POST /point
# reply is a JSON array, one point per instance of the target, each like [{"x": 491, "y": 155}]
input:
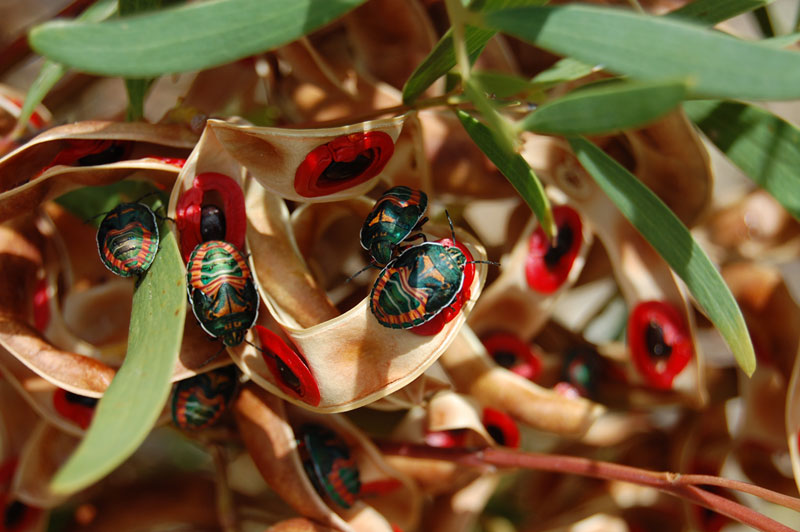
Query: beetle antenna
[
  {"x": 493, "y": 263},
  {"x": 212, "y": 357},
  {"x": 362, "y": 270},
  {"x": 450, "y": 221}
]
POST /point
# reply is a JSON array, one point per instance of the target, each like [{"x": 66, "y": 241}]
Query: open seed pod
[
  {"x": 458, "y": 511},
  {"x": 449, "y": 420},
  {"x": 298, "y": 525},
  {"x": 532, "y": 276},
  {"x": 417, "y": 392},
  {"x": 47, "y": 449},
  {"x": 280, "y": 438},
  {"x": 89, "y": 153},
  {"x": 312, "y": 164},
  {"x": 11, "y": 102},
  {"x": 755, "y": 227},
  {"x": 353, "y": 358},
  {"x": 473, "y": 372},
  {"x": 660, "y": 327}
]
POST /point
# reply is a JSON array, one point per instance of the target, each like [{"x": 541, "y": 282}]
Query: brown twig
[
  {"x": 226, "y": 509},
  {"x": 683, "y": 486}
]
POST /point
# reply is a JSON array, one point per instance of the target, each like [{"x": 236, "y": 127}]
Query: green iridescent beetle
[
  {"x": 200, "y": 401},
  {"x": 417, "y": 285},
  {"x": 127, "y": 239},
  {"x": 395, "y": 215},
  {"x": 328, "y": 464},
  {"x": 221, "y": 291}
]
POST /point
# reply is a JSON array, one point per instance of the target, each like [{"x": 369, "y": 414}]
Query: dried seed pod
[
  {"x": 532, "y": 276},
  {"x": 473, "y": 372},
  {"x": 268, "y": 430},
  {"x": 63, "y": 159},
  {"x": 357, "y": 373},
  {"x": 641, "y": 273},
  {"x": 312, "y": 164},
  {"x": 45, "y": 452}
]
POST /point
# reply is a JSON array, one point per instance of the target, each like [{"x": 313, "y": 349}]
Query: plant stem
[
  {"x": 675, "y": 484},
  {"x": 226, "y": 509}
]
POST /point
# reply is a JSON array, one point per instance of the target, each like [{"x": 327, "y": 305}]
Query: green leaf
[
  {"x": 567, "y": 69},
  {"x": 190, "y": 37},
  {"x": 51, "y": 71},
  {"x": 137, "y": 87},
  {"x": 606, "y": 109},
  {"x": 88, "y": 203},
  {"x": 670, "y": 238},
  {"x": 443, "y": 57},
  {"x": 135, "y": 398},
  {"x": 764, "y": 146},
  {"x": 711, "y": 12},
  {"x": 781, "y": 41},
  {"x": 501, "y": 85},
  {"x": 514, "y": 167},
  {"x": 657, "y": 48}
]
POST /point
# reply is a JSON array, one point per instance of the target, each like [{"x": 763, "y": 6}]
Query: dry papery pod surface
[{"x": 548, "y": 391}]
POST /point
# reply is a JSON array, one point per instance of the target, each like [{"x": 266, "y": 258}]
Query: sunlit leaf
[
  {"x": 657, "y": 48},
  {"x": 189, "y": 37},
  {"x": 90, "y": 203},
  {"x": 51, "y": 71},
  {"x": 442, "y": 58},
  {"x": 714, "y": 11},
  {"x": 764, "y": 146},
  {"x": 514, "y": 167},
  {"x": 605, "y": 109},
  {"x": 136, "y": 396},
  {"x": 670, "y": 238}
]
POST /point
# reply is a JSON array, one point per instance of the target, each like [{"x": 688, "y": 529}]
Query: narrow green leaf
[
  {"x": 514, "y": 167},
  {"x": 606, "y": 109},
  {"x": 88, "y": 203},
  {"x": 188, "y": 37},
  {"x": 443, "y": 57},
  {"x": 136, "y": 396},
  {"x": 501, "y": 85},
  {"x": 137, "y": 87},
  {"x": 712, "y": 12},
  {"x": 657, "y": 48},
  {"x": 566, "y": 69},
  {"x": 51, "y": 71},
  {"x": 781, "y": 41},
  {"x": 764, "y": 146},
  {"x": 670, "y": 238}
]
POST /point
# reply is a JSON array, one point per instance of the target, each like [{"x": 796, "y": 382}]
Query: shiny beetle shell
[
  {"x": 395, "y": 215},
  {"x": 417, "y": 285},
  {"x": 127, "y": 239},
  {"x": 329, "y": 466},
  {"x": 221, "y": 291},
  {"x": 200, "y": 401}
]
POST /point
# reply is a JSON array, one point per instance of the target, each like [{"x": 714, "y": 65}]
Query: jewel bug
[
  {"x": 397, "y": 213},
  {"x": 417, "y": 285},
  {"x": 221, "y": 291},
  {"x": 127, "y": 239},
  {"x": 328, "y": 464},
  {"x": 200, "y": 401}
]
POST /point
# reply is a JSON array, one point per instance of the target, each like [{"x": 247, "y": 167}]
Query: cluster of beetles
[{"x": 416, "y": 284}]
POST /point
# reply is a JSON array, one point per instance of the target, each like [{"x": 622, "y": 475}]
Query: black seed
[
  {"x": 288, "y": 377},
  {"x": 656, "y": 346},
  {"x": 506, "y": 359},
  {"x": 14, "y": 514},
  {"x": 341, "y": 170},
  {"x": 497, "y": 434},
  {"x": 563, "y": 244},
  {"x": 112, "y": 154},
  {"x": 82, "y": 400},
  {"x": 212, "y": 223}
]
